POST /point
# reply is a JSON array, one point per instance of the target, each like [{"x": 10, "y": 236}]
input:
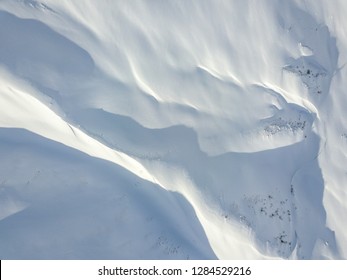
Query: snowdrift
[{"x": 173, "y": 130}]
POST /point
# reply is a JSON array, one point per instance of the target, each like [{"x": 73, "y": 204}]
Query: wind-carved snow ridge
[
  {"x": 178, "y": 130},
  {"x": 52, "y": 188},
  {"x": 289, "y": 120},
  {"x": 36, "y": 5}
]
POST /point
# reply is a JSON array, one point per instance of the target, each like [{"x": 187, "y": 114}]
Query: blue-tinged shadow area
[
  {"x": 32, "y": 50},
  {"x": 278, "y": 193},
  {"x": 80, "y": 207}
]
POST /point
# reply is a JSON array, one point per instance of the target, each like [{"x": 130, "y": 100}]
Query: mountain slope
[{"x": 173, "y": 130}]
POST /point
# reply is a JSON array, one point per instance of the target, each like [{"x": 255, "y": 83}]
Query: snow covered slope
[{"x": 173, "y": 129}]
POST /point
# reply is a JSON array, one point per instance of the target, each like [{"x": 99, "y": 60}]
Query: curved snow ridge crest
[
  {"x": 24, "y": 111},
  {"x": 291, "y": 98}
]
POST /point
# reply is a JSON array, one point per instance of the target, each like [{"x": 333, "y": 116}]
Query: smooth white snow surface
[{"x": 173, "y": 129}]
